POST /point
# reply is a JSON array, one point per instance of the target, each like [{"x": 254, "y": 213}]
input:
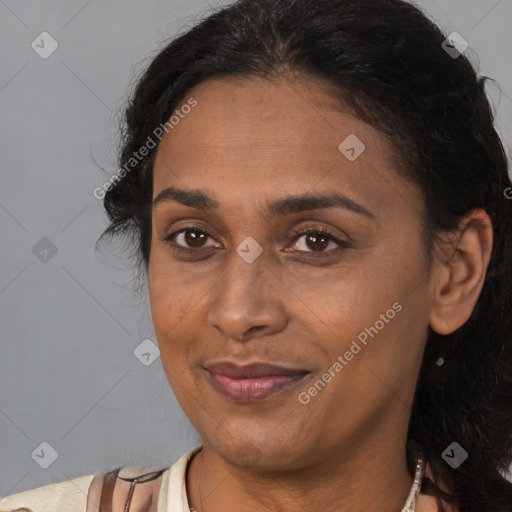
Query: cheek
[
  {"x": 176, "y": 302},
  {"x": 167, "y": 310},
  {"x": 169, "y": 314},
  {"x": 382, "y": 304},
  {"x": 170, "y": 293}
]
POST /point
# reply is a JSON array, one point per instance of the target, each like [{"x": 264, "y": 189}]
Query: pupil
[
  {"x": 192, "y": 238},
  {"x": 314, "y": 238}
]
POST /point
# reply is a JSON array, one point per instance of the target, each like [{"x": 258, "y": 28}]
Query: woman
[{"x": 318, "y": 196}]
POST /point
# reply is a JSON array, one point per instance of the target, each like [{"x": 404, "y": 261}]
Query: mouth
[{"x": 252, "y": 382}]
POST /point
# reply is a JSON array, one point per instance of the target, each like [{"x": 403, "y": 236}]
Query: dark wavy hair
[{"x": 384, "y": 59}]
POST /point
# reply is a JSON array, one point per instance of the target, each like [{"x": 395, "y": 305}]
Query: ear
[{"x": 458, "y": 273}]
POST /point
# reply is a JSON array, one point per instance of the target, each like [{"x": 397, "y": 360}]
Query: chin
[{"x": 265, "y": 453}]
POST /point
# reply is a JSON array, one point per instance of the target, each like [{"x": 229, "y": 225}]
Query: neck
[{"x": 355, "y": 479}]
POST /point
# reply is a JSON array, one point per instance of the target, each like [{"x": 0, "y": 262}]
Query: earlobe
[{"x": 459, "y": 273}]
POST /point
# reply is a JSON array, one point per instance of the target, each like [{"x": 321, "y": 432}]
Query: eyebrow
[{"x": 280, "y": 207}]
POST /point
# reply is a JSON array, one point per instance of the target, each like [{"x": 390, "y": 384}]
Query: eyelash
[{"x": 293, "y": 236}]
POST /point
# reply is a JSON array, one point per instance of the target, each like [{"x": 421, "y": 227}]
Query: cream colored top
[{"x": 71, "y": 495}]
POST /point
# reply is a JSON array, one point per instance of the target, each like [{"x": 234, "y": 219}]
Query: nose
[{"x": 248, "y": 301}]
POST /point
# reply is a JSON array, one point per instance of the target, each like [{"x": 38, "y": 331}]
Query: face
[{"x": 273, "y": 244}]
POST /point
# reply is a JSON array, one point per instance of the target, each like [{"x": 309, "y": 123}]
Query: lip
[{"x": 252, "y": 382}]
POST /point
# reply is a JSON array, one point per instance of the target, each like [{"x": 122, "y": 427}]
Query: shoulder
[
  {"x": 76, "y": 494},
  {"x": 65, "y": 496}
]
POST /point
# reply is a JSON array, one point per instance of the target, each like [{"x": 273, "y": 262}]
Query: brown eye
[
  {"x": 188, "y": 238},
  {"x": 316, "y": 240},
  {"x": 195, "y": 238}
]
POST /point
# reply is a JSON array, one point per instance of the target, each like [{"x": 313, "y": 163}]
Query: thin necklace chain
[{"x": 410, "y": 503}]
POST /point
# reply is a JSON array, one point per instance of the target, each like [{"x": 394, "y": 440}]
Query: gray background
[{"x": 70, "y": 325}]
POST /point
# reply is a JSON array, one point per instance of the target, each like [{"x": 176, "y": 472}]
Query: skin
[{"x": 247, "y": 142}]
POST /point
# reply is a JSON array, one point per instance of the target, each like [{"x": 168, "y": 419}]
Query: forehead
[
  {"x": 298, "y": 116},
  {"x": 255, "y": 136}
]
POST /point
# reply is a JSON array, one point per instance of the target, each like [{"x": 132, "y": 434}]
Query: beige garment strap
[
  {"x": 107, "y": 492},
  {"x": 110, "y": 493}
]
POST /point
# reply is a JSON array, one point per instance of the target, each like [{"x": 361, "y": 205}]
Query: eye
[
  {"x": 190, "y": 235},
  {"x": 318, "y": 240}
]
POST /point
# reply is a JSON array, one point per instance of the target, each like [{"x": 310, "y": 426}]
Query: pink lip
[{"x": 252, "y": 382}]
